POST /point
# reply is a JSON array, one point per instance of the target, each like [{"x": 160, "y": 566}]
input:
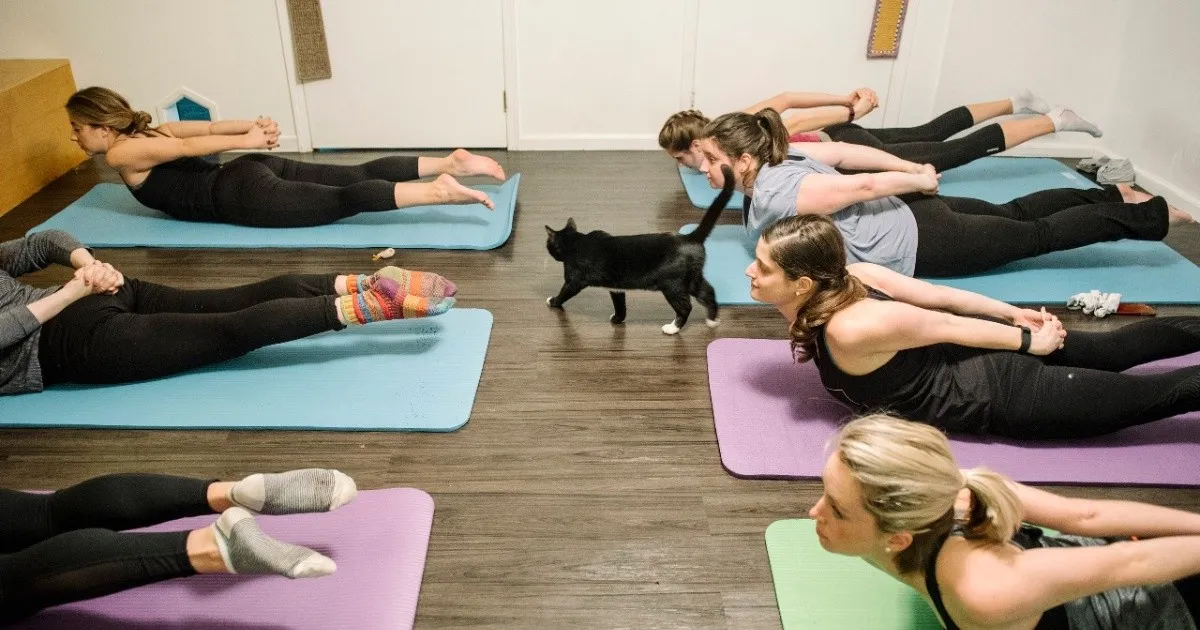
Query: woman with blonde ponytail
[
  {"x": 162, "y": 167},
  {"x": 895, "y": 497},
  {"x": 890, "y": 214},
  {"x": 959, "y": 360}
]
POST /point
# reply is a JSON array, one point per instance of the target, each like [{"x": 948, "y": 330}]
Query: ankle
[{"x": 203, "y": 552}]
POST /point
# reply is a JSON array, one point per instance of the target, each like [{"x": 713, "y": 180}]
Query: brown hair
[
  {"x": 762, "y": 135},
  {"x": 810, "y": 245},
  {"x": 910, "y": 483},
  {"x": 103, "y": 107},
  {"x": 681, "y": 129}
]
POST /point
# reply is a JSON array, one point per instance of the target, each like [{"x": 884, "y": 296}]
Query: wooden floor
[{"x": 586, "y": 491}]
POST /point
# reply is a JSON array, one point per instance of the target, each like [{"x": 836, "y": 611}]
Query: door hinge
[{"x": 504, "y": 97}]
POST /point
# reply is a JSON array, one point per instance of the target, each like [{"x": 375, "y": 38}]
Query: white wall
[
  {"x": 1156, "y": 98},
  {"x": 749, "y": 50},
  {"x": 593, "y": 74},
  {"x": 228, "y": 51},
  {"x": 1067, "y": 51}
]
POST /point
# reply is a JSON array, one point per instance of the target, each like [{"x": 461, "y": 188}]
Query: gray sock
[
  {"x": 295, "y": 491},
  {"x": 246, "y": 549}
]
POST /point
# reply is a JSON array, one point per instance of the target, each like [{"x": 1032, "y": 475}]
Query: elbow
[
  {"x": 1085, "y": 515},
  {"x": 866, "y": 186}
]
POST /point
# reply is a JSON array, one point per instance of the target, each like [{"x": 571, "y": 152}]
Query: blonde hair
[
  {"x": 681, "y": 129},
  {"x": 762, "y": 135},
  {"x": 811, "y": 245},
  {"x": 910, "y": 482},
  {"x": 103, "y": 107}
]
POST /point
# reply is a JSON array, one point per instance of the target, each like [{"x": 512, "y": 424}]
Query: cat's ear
[
  {"x": 550, "y": 230},
  {"x": 571, "y": 224}
]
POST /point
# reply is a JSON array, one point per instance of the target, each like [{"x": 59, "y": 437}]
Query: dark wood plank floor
[{"x": 586, "y": 491}]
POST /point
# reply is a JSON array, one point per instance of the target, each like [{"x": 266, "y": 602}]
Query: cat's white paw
[
  {"x": 671, "y": 328},
  {"x": 550, "y": 301},
  {"x": 712, "y": 323},
  {"x": 612, "y": 319}
]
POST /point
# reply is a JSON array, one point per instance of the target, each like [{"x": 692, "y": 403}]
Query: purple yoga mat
[
  {"x": 378, "y": 542},
  {"x": 774, "y": 419}
]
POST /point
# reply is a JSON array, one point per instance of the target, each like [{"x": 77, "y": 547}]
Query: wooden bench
[{"x": 35, "y": 135}]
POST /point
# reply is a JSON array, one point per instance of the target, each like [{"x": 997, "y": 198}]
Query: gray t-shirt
[{"x": 882, "y": 231}]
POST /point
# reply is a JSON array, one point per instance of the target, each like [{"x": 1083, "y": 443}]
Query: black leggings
[
  {"x": 958, "y": 236},
  {"x": 927, "y": 144},
  {"x": 64, "y": 547},
  {"x": 1079, "y": 392},
  {"x": 263, "y": 190},
  {"x": 148, "y": 330}
]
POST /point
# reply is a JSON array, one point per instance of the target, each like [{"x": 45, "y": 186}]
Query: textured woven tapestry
[
  {"x": 885, "y": 29},
  {"x": 308, "y": 40}
]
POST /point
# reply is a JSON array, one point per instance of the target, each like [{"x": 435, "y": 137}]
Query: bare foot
[
  {"x": 1175, "y": 216},
  {"x": 462, "y": 163},
  {"x": 448, "y": 190},
  {"x": 1131, "y": 195}
]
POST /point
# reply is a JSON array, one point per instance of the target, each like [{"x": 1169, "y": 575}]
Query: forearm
[
  {"x": 81, "y": 257},
  {"x": 1103, "y": 518},
  {"x": 797, "y": 100},
  {"x": 979, "y": 333},
  {"x": 859, "y": 158},
  {"x": 1159, "y": 560},
  {"x": 46, "y": 308},
  {"x": 968, "y": 303},
  {"x": 230, "y": 127},
  {"x": 816, "y": 119},
  {"x": 199, "y": 146}
]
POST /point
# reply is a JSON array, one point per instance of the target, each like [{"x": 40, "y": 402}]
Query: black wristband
[
  {"x": 1026, "y": 339},
  {"x": 851, "y": 108}
]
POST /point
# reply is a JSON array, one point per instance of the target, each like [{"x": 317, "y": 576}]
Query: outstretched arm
[
  {"x": 798, "y": 100},
  {"x": 934, "y": 296},
  {"x": 820, "y": 193},
  {"x": 1104, "y": 518},
  {"x": 143, "y": 154},
  {"x": 193, "y": 128}
]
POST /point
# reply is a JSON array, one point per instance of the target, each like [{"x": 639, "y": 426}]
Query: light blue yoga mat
[
  {"x": 109, "y": 216},
  {"x": 701, "y": 194},
  {"x": 407, "y": 375},
  {"x": 1141, "y": 271}
]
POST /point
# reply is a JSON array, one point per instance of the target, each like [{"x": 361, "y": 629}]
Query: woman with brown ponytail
[
  {"x": 895, "y": 497},
  {"x": 893, "y": 215},
  {"x": 959, "y": 360},
  {"x": 162, "y": 167}
]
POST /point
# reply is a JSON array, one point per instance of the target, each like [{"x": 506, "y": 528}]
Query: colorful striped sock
[
  {"x": 358, "y": 283},
  {"x": 421, "y": 283},
  {"x": 385, "y": 300}
]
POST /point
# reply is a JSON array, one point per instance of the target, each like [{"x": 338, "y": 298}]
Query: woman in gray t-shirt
[{"x": 893, "y": 216}]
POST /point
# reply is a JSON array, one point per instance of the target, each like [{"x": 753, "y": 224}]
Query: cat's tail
[{"x": 714, "y": 211}]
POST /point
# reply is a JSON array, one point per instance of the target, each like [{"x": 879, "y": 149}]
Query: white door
[
  {"x": 410, "y": 74},
  {"x": 750, "y": 50}
]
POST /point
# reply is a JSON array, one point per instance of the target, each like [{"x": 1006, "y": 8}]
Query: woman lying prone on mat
[
  {"x": 896, "y": 218},
  {"x": 834, "y": 116},
  {"x": 66, "y": 546},
  {"x": 162, "y": 167},
  {"x": 959, "y": 360},
  {"x": 101, "y": 327},
  {"x": 895, "y": 497}
]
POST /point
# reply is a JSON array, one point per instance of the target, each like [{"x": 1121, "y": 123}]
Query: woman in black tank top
[
  {"x": 894, "y": 496},
  {"x": 959, "y": 360},
  {"x": 162, "y": 167}
]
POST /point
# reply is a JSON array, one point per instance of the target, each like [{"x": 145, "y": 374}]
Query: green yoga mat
[{"x": 822, "y": 590}]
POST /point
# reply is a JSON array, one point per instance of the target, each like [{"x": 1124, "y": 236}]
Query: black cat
[{"x": 667, "y": 262}]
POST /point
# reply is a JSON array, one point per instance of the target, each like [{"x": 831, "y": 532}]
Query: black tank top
[
  {"x": 946, "y": 385},
  {"x": 182, "y": 188},
  {"x": 1026, "y": 538}
]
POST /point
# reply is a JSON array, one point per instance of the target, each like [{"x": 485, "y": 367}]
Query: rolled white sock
[
  {"x": 1067, "y": 120},
  {"x": 294, "y": 492},
  {"x": 246, "y": 549},
  {"x": 1029, "y": 103}
]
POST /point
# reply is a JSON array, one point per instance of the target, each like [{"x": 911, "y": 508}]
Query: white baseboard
[
  {"x": 1051, "y": 146},
  {"x": 585, "y": 142}
]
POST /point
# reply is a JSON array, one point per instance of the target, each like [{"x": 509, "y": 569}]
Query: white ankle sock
[
  {"x": 1067, "y": 120},
  {"x": 1029, "y": 103}
]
